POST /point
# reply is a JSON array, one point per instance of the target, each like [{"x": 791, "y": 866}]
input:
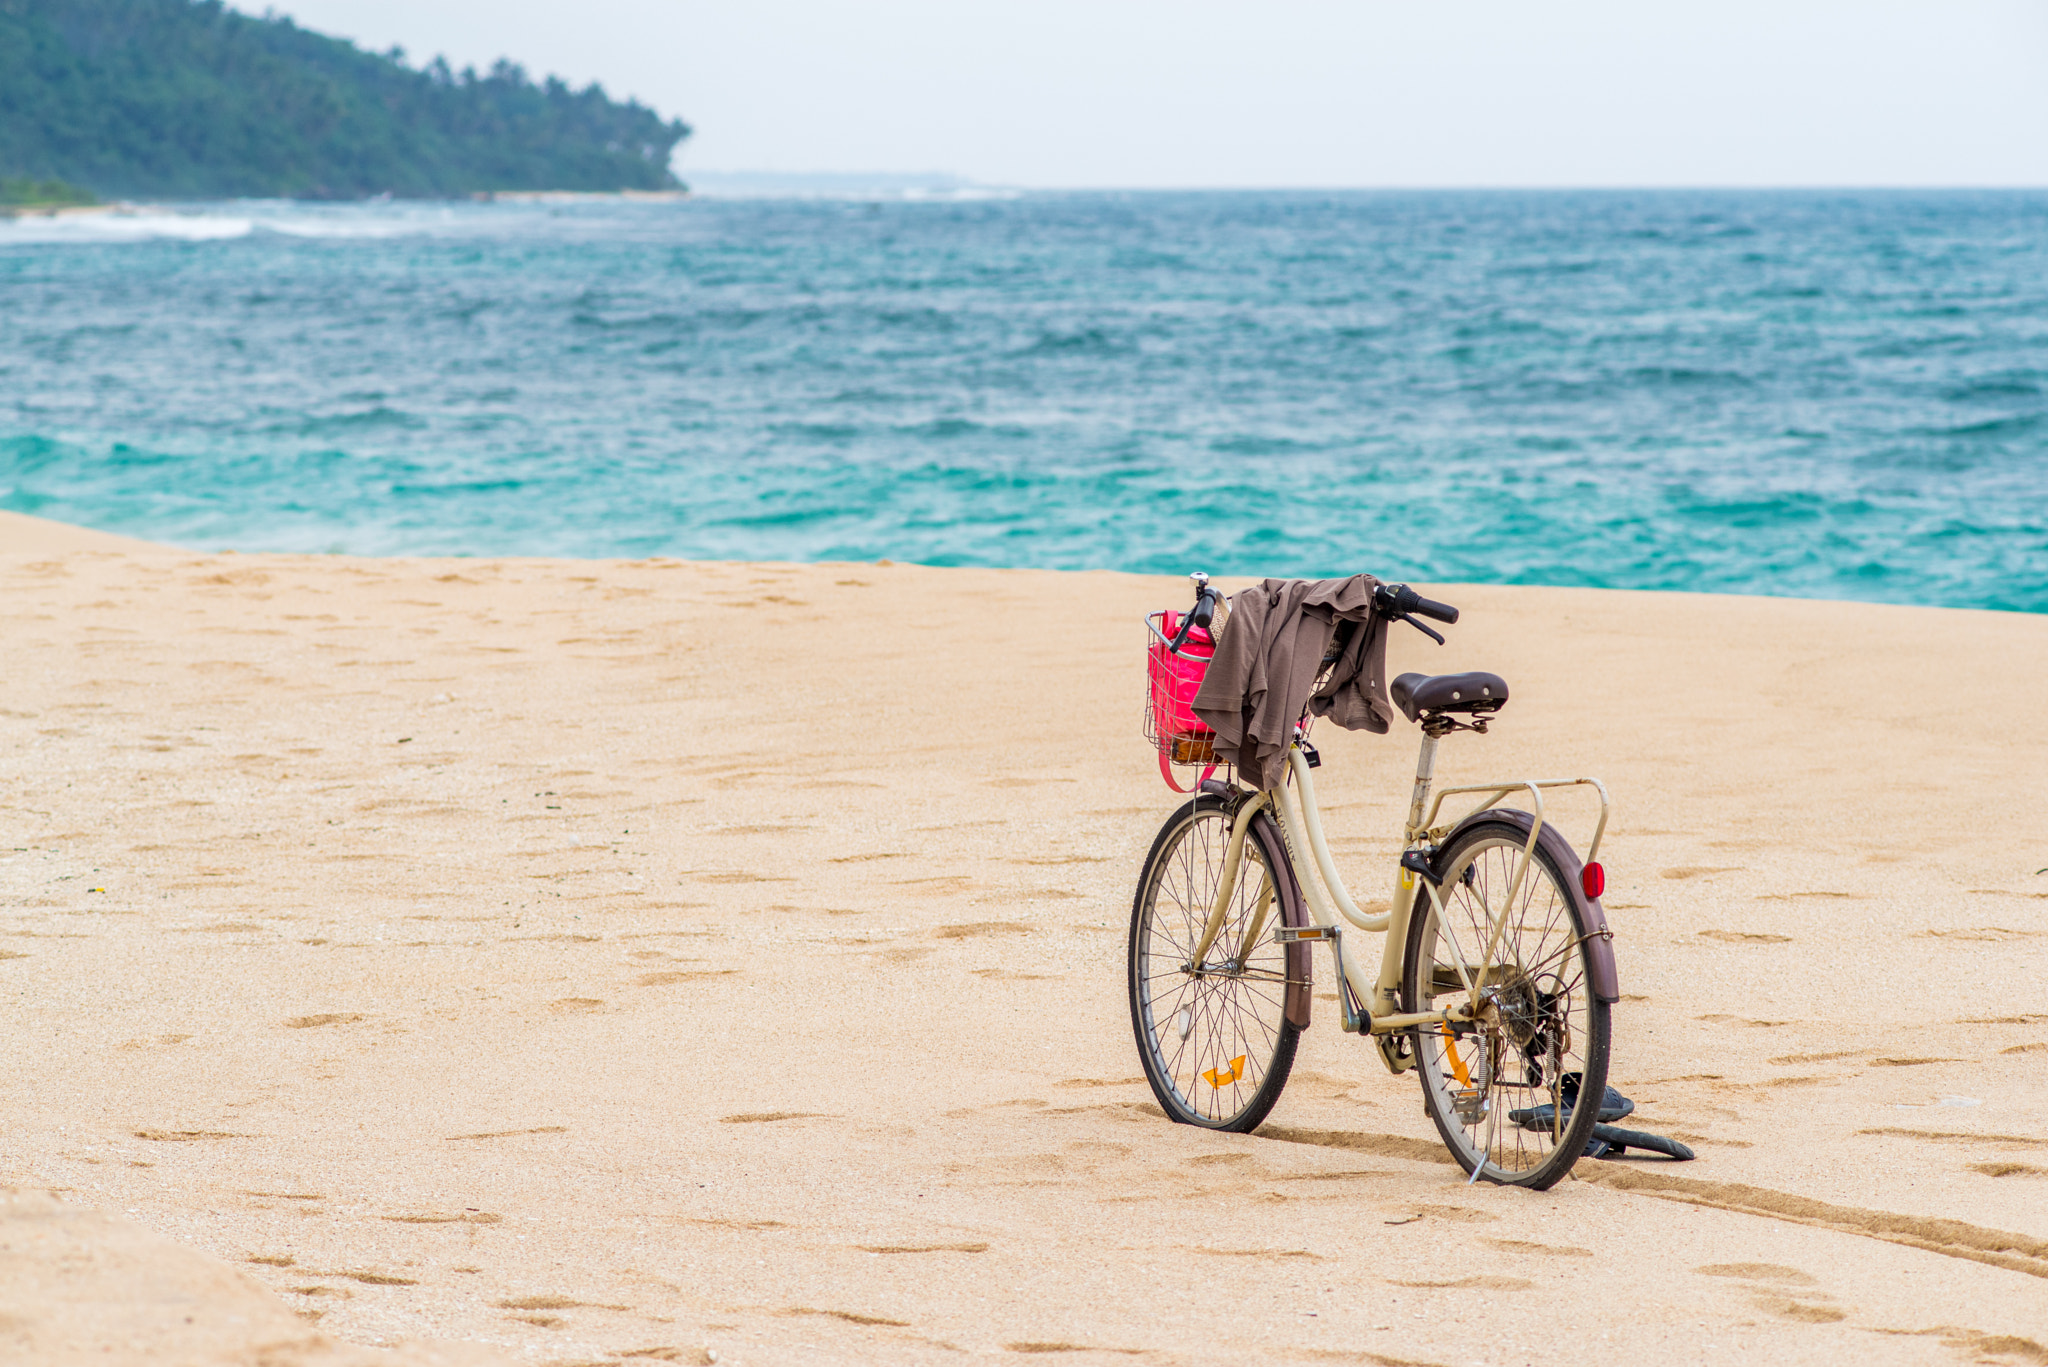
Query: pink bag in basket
[{"x": 1173, "y": 677}]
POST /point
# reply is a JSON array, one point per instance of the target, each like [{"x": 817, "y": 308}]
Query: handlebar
[
  {"x": 1201, "y": 615},
  {"x": 1402, "y": 603},
  {"x": 1398, "y": 600}
]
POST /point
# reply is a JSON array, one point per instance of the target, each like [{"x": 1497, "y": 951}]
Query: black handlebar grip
[
  {"x": 1425, "y": 607},
  {"x": 1201, "y": 615},
  {"x": 1397, "y": 600}
]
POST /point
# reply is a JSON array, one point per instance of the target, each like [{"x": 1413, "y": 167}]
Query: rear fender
[{"x": 1599, "y": 939}]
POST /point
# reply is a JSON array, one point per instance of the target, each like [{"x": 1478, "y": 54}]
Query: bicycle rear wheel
[
  {"x": 1503, "y": 1090},
  {"x": 1215, "y": 1039}
]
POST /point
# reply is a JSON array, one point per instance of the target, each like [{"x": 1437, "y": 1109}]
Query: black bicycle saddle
[{"x": 1474, "y": 691}]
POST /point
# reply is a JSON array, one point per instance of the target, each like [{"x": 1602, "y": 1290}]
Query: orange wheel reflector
[{"x": 1219, "y": 1078}]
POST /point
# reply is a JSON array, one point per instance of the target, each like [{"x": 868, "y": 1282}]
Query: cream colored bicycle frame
[{"x": 1328, "y": 899}]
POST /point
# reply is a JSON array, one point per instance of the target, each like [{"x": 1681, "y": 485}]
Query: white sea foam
[
  {"x": 124, "y": 225},
  {"x": 352, "y": 227},
  {"x": 143, "y": 223},
  {"x": 909, "y": 195},
  {"x": 884, "y": 187}
]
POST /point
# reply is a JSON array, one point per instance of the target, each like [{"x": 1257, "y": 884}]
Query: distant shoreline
[
  {"x": 579, "y": 196},
  {"x": 120, "y": 207}
]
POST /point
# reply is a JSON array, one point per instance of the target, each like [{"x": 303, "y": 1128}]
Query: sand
[{"x": 613, "y": 962}]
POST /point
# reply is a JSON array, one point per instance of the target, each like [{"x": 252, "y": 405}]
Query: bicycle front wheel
[
  {"x": 1214, "y": 1036},
  {"x": 1503, "y": 1090}
]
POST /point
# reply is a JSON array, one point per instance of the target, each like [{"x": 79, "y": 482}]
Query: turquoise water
[{"x": 1832, "y": 395}]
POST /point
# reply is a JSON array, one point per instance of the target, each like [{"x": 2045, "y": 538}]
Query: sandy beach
[{"x": 578, "y": 961}]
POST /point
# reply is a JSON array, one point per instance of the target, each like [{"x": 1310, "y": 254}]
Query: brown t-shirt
[{"x": 1267, "y": 660}]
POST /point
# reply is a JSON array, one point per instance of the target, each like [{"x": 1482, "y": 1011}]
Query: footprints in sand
[
  {"x": 1539, "y": 1250},
  {"x": 1765, "y": 1272},
  {"x": 1218, "y": 1160},
  {"x": 1951, "y": 1238},
  {"x": 1358, "y": 1141},
  {"x": 328, "y": 1018},
  {"x": 1459, "y": 1215},
  {"x": 554, "y": 1303},
  {"x": 1768, "y": 1285},
  {"x": 366, "y": 1278},
  {"x": 1745, "y": 937},
  {"x": 770, "y": 1117},
  {"x": 1981, "y": 1347},
  {"x": 674, "y": 976},
  {"x": 1806, "y": 1311},
  {"x": 532, "y": 1309},
  {"x": 510, "y": 1134},
  {"x": 924, "y": 1248},
  {"x": 2017, "y": 1141},
  {"x": 981, "y": 928},
  {"x": 1056, "y": 1346},
  {"x": 849, "y": 1316},
  {"x": 1783, "y": 1060},
  {"x": 1985, "y": 934}
]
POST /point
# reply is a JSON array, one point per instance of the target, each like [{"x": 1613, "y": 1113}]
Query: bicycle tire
[
  {"x": 1550, "y": 1036},
  {"x": 1216, "y": 1047}
]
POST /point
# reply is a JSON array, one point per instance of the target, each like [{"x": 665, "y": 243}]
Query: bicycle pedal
[
  {"x": 1471, "y": 1105},
  {"x": 1288, "y": 935}
]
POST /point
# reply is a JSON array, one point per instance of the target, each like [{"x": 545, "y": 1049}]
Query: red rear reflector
[{"x": 1593, "y": 879}]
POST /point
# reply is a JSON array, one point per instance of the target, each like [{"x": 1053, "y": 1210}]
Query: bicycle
[{"x": 1496, "y": 978}]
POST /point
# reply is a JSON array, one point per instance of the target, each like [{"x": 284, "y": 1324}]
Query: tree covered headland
[
  {"x": 39, "y": 194},
  {"x": 188, "y": 99}
]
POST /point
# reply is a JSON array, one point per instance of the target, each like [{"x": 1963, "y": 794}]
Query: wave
[
  {"x": 219, "y": 223},
  {"x": 86, "y": 226}
]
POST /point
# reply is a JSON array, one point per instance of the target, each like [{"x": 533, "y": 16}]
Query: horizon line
[{"x": 956, "y": 180}]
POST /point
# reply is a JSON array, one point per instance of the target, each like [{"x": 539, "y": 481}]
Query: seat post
[{"x": 1425, "y": 775}]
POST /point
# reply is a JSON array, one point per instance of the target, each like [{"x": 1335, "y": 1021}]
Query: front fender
[{"x": 1301, "y": 969}]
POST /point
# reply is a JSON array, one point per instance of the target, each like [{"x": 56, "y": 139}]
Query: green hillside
[{"x": 188, "y": 99}]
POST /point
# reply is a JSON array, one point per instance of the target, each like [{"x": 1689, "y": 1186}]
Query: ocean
[{"x": 1822, "y": 394}]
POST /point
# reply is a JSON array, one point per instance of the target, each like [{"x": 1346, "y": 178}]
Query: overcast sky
[{"x": 1294, "y": 92}]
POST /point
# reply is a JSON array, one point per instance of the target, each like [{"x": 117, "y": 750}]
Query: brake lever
[{"x": 1410, "y": 620}]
